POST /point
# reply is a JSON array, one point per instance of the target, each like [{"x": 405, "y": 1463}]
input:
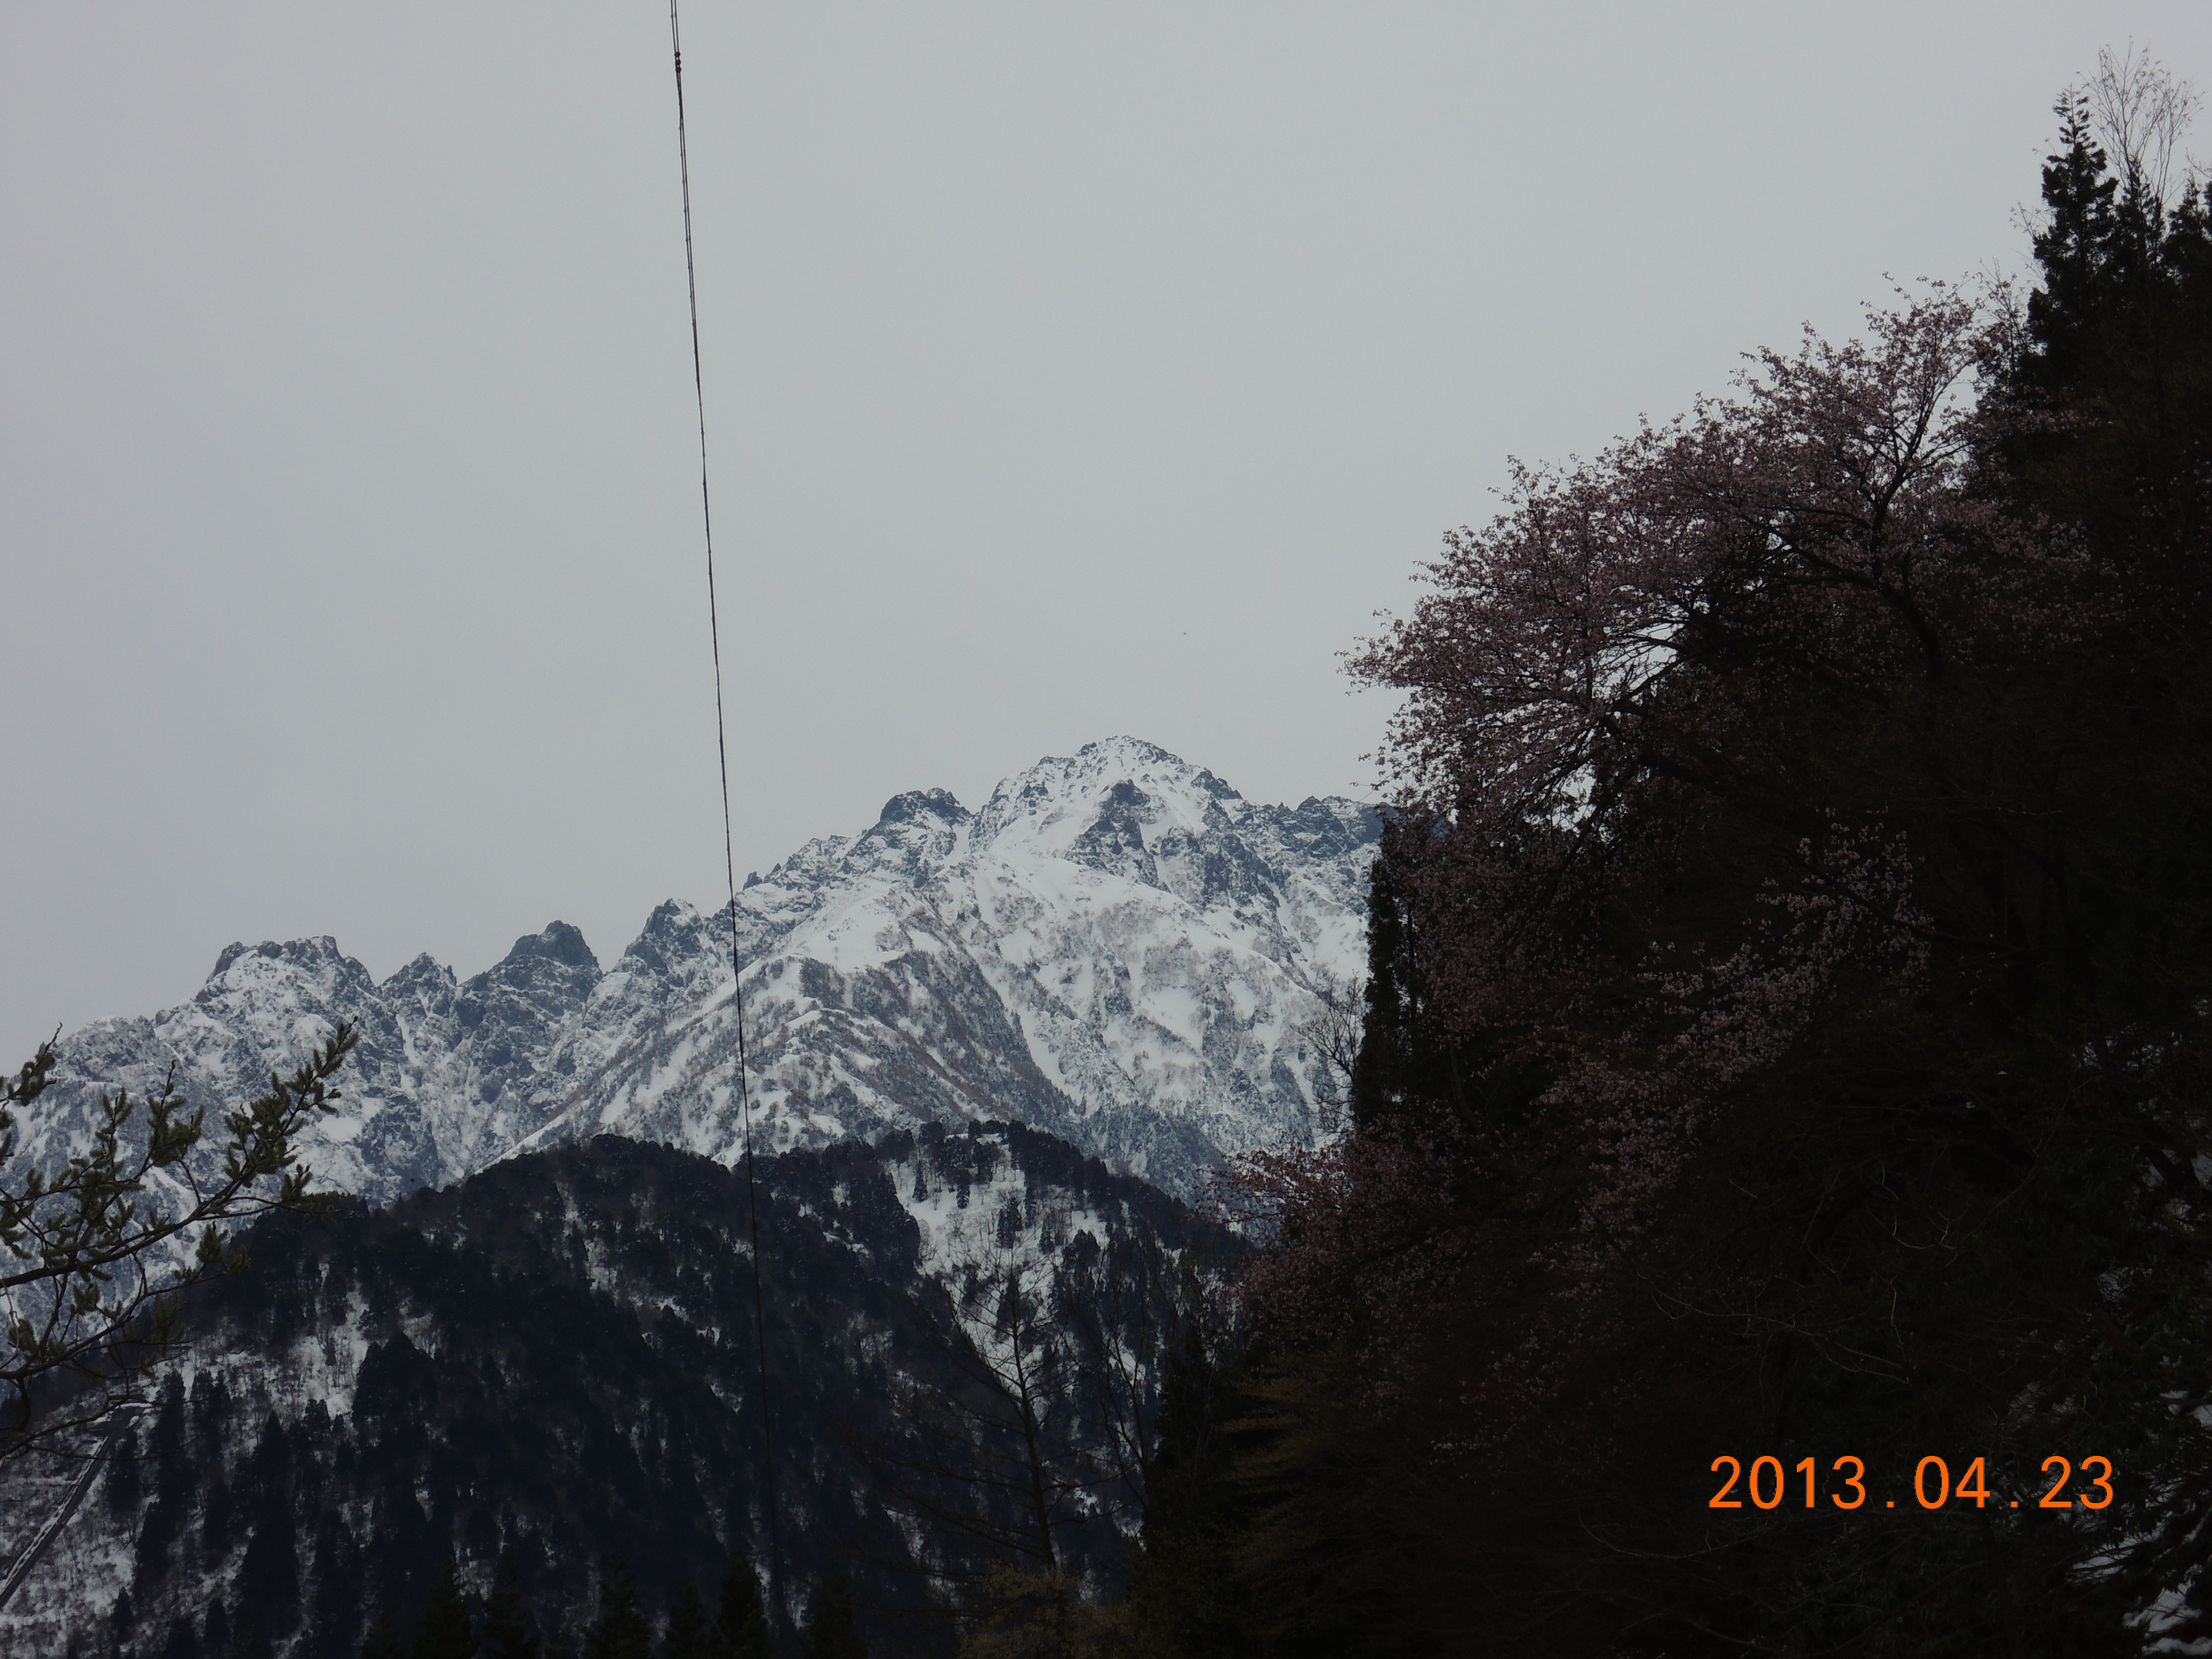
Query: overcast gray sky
[{"x": 1070, "y": 370}]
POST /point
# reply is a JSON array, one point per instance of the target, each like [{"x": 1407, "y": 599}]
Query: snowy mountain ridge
[{"x": 1117, "y": 948}]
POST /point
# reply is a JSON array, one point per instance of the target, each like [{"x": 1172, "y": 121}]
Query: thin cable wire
[{"x": 729, "y": 849}]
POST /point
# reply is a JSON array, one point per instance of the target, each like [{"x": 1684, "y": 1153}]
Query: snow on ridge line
[{"x": 1118, "y": 948}]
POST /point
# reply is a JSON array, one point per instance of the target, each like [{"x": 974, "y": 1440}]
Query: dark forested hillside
[{"x": 554, "y": 1362}]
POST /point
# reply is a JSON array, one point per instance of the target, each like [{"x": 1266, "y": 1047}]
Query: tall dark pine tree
[
  {"x": 123, "y": 1484},
  {"x": 341, "y": 1592},
  {"x": 740, "y": 1627},
  {"x": 446, "y": 1631},
  {"x": 621, "y": 1630},
  {"x": 507, "y": 1630},
  {"x": 833, "y": 1629},
  {"x": 269, "y": 1578},
  {"x": 685, "y": 1636},
  {"x": 169, "y": 1444},
  {"x": 1397, "y": 1057},
  {"x": 382, "y": 1641},
  {"x": 2076, "y": 247},
  {"x": 2119, "y": 347}
]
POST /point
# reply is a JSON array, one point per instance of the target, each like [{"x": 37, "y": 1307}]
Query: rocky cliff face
[{"x": 1117, "y": 947}]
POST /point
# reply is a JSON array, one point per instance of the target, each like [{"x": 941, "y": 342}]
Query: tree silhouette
[{"x": 96, "y": 1289}]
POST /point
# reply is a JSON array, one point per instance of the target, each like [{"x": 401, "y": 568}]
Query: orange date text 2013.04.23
[{"x": 1768, "y": 1484}]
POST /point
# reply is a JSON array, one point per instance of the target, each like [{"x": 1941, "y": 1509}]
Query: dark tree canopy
[
  {"x": 1792, "y": 958},
  {"x": 740, "y": 1626},
  {"x": 446, "y": 1631},
  {"x": 509, "y": 1632},
  {"x": 620, "y": 1631},
  {"x": 833, "y": 1629}
]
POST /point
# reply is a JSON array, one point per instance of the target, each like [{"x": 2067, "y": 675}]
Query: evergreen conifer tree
[
  {"x": 686, "y": 1634},
  {"x": 340, "y": 1598},
  {"x": 269, "y": 1578},
  {"x": 382, "y": 1641},
  {"x": 740, "y": 1627},
  {"x": 446, "y": 1631},
  {"x": 620, "y": 1631},
  {"x": 1399, "y": 1056},
  {"x": 832, "y": 1629},
  {"x": 1183, "y": 1589},
  {"x": 508, "y": 1631},
  {"x": 122, "y": 1487}
]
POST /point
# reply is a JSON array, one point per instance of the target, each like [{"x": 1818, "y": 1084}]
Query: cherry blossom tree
[{"x": 1736, "y": 999}]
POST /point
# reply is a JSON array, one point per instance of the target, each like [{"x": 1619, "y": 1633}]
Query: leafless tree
[
  {"x": 2141, "y": 112},
  {"x": 1334, "y": 1034}
]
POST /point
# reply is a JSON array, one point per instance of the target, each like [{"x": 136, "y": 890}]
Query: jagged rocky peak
[
  {"x": 672, "y": 928},
  {"x": 815, "y": 861},
  {"x": 1061, "y": 798},
  {"x": 1128, "y": 808},
  {"x": 1118, "y": 948},
  {"x": 916, "y": 831},
  {"x": 544, "y": 977},
  {"x": 524, "y": 1001},
  {"x": 559, "y": 942},
  {"x": 315, "y": 966},
  {"x": 924, "y": 807}
]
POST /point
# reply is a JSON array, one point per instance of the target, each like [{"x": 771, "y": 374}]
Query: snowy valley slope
[{"x": 1117, "y": 948}]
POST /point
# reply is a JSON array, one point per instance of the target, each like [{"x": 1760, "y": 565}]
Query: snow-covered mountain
[
  {"x": 562, "y": 1354},
  {"x": 1117, "y": 948}
]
